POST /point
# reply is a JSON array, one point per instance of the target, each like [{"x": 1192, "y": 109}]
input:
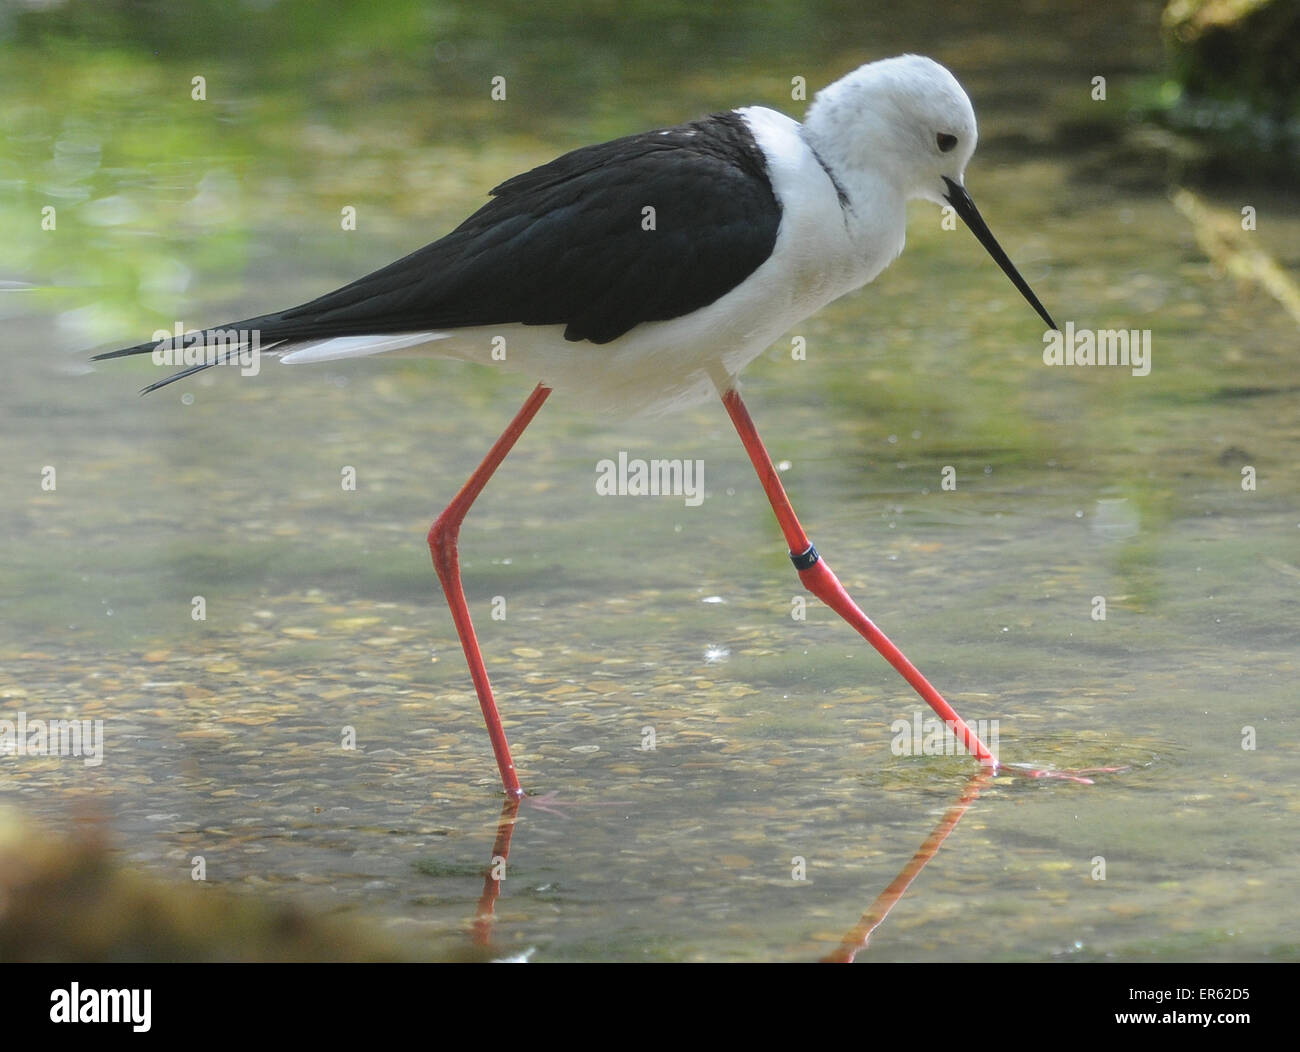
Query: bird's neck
[{"x": 875, "y": 209}]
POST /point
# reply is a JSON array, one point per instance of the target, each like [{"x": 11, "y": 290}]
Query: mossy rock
[{"x": 1238, "y": 51}]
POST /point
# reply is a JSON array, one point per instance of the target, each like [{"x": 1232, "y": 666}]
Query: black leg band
[{"x": 804, "y": 560}]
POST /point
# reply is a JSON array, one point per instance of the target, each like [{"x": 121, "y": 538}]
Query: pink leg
[
  {"x": 818, "y": 579},
  {"x": 442, "y": 543}
]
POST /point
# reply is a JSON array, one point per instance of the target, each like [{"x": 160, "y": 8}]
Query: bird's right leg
[
  {"x": 442, "y": 544},
  {"x": 818, "y": 579}
]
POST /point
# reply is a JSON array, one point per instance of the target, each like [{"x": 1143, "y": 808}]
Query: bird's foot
[
  {"x": 552, "y": 804},
  {"x": 1080, "y": 776}
]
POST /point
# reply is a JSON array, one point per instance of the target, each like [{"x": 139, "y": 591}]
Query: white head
[
  {"x": 904, "y": 118},
  {"x": 907, "y": 123}
]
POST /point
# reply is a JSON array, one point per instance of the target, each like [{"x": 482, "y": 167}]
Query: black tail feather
[
  {"x": 139, "y": 348},
  {"x": 265, "y": 324},
  {"x": 209, "y": 337},
  {"x": 178, "y": 376}
]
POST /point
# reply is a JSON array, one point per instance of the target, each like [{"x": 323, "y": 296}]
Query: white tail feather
[{"x": 358, "y": 346}]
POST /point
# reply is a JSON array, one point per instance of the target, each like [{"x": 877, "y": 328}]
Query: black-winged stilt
[{"x": 648, "y": 271}]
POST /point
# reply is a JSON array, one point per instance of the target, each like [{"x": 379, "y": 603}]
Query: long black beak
[{"x": 965, "y": 207}]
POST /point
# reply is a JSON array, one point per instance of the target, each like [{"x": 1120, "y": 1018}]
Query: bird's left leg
[{"x": 442, "y": 543}]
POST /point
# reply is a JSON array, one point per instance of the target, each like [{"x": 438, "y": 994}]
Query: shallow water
[{"x": 772, "y": 735}]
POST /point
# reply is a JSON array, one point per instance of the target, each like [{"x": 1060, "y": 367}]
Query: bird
[{"x": 645, "y": 273}]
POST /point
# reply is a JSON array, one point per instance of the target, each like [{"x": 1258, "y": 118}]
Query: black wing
[{"x": 567, "y": 244}]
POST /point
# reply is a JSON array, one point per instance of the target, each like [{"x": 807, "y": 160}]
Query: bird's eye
[{"x": 946, "y": 142}]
